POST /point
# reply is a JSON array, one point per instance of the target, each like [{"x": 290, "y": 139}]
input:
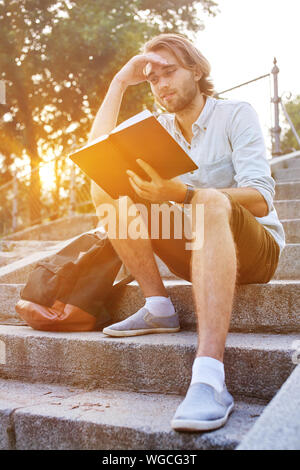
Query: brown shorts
[{"x": 257, "y": 251}]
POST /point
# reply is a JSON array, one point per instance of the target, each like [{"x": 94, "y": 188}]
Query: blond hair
[{"x": 187, "y": 55}]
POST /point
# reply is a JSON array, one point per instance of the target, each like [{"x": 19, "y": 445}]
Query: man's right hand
[{"x": 133, "y": 72}]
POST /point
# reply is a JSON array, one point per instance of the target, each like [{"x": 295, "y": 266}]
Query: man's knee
[
  {"x": 105, "y": 205},
  {"x": 116, "y": 210},
  {"x": 214, "y": 202},
  {"x": 99, "y": 196}
]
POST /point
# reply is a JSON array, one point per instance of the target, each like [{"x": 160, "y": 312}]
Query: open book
[{"x": 106, "y": 159}]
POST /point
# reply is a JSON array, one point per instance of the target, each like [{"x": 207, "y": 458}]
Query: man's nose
[{"x": 163, "y": 83}]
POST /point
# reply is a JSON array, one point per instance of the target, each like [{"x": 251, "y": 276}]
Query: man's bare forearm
[
  {"x": 250, "y": 198},
  {"x": 107, "y": 115}
]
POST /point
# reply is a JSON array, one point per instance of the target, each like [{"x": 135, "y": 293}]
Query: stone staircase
[{"x": 89, "y": 391}]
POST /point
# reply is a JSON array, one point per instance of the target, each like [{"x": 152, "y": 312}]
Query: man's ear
[{"x": 198, "y": 74}]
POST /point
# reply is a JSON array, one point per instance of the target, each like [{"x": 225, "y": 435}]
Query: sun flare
[
  {"x": 47, "y": 171},
  {"x": 47, "y": 175}
]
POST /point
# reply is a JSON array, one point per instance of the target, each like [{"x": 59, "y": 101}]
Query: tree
[
  {"x": 58, "y": 57},
  {"x": 289, "y": 142}
]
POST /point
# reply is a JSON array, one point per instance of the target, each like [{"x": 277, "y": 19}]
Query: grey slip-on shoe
[
  {"x": 142, "y": 323},
  {"x": 203, "y": 409}
]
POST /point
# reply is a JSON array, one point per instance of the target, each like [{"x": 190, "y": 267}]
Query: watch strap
[{"x": 189, "y": 194}]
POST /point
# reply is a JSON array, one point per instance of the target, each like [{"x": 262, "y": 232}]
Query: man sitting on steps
[{"x": 243, "y": 237}]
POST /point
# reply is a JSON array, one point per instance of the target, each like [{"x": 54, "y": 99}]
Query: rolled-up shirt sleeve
[{"x": 249, "y": 152}]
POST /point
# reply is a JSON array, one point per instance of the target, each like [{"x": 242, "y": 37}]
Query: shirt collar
[{"x": 201, "y": 122}]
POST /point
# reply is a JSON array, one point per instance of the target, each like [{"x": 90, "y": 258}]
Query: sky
[{"x": 241, "y": 42}]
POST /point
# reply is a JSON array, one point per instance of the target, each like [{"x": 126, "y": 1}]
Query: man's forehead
[{"x": 152, "y": 68}]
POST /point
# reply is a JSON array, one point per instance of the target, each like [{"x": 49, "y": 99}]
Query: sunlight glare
[{"x": 47, "y": 171}]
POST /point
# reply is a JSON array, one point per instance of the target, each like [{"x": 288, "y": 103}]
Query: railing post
[
  {"x": 15, "y": 204},
  {"x": 276, "y": 100}
]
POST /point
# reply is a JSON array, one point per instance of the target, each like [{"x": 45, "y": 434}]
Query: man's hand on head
[
  {"x": 157, "y": 190},
  {"x": 133, "y": 71}
]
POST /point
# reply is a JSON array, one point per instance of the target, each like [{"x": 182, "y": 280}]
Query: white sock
[
  {"x": 210, "y": 371},
  {"x": 160, "y": 306}
]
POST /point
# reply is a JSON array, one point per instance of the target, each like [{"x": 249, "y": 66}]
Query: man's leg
[
  {"x": 137, "y": 255},
  {"x": 232, "y": 237},
  {"x": 214, "y": 267},
  {"x": 158, "y": 314}
]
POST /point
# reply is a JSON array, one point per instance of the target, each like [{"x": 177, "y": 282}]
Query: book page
[
  {"x": 129, "y": 122},
  {"x": 133, "y": 120},
  {"x": 92, "y": 142}
]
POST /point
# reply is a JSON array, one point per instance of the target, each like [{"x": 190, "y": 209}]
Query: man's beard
[{"x": 180, "y": 102}]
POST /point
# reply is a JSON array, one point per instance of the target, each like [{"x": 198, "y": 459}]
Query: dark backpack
[{"x": 69, "y": 290}]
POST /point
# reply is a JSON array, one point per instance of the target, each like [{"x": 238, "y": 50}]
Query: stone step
[
  {"x": 289, "y": 209},
  {"x": 286, "y": 174},
  {"x": 18, "y": 270},
  {"x": 291, "y": 160},
  {"x": 64, "y": 418},
  {"x": 291, "y": 230},
  {"x": 256, "y": 364},
  {"x": 9, "y": 296},
  {"x": 24, "y": 253},
  {"x": 7, "y": 258},
  {"x": 289, "y": 263},
  {"x": 278, "y": 428},
  {"x": 293, "y": 163},
  {"x": 272, "y": 307},
  {"x": 59, "y": 229},
  {"x": 285, "y": 191},
  {"x": 22, "y": 247}
]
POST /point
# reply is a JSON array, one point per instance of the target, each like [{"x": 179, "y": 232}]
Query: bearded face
[
  {"x": 173, "y": 86},
  {"x": 181, "y": 98}
]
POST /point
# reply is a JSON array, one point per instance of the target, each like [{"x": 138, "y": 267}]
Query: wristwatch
[{"x": 189, "y": 194}]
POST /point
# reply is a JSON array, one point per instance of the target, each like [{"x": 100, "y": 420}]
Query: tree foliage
[
  {"x": 289, "y": 142},
  {"x": 58, "y": 57}
]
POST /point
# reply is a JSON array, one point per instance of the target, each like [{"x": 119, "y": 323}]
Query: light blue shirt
[{"x": 229, "y": 149}]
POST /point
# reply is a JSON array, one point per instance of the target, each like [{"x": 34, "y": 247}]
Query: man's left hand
[{"x": 157, "y": 190}]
